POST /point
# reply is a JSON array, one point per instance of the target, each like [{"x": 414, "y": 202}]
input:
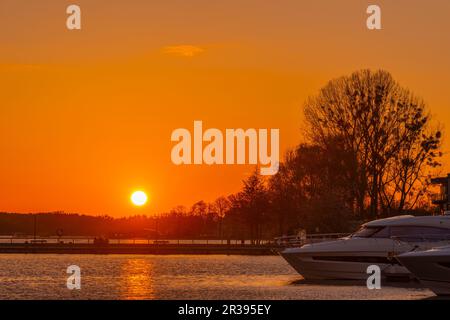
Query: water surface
[{"x": 33, "y": 276}]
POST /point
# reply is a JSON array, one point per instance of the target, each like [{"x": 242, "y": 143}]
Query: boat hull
[
  {"x": 315, "y": 268},
  {"x": 432, "y": 268},
  {"x": 347, "y": 258}
]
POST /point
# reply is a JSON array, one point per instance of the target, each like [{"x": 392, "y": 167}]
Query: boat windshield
[{"x": 366, "y": 232}]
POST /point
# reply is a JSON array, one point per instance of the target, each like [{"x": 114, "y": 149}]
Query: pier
[
  {"x": 91, "y": 245},
  {"x": 126, "y": 248}
]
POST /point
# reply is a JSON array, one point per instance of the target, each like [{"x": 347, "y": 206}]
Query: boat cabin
[{"x": 407, "y": 228}]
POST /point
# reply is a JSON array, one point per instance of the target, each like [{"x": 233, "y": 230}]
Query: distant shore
[{"x": 156, "y": 249}]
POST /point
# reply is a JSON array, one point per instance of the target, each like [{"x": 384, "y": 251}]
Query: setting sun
[{"x": 139, "y": 198}]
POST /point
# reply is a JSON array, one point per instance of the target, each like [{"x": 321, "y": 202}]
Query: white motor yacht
[
  {"x": 431, "y": 267},
  {"x": 375, "y": 243}
]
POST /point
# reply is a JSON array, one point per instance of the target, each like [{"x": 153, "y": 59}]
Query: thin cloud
[{"x": 183, "y": 51}]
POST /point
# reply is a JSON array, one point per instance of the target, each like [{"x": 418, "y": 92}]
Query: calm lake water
[{"x": 28, "y": 276}]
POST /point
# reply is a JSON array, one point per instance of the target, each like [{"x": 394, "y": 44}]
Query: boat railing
[
  {"x": 293, "y": 241},
  {"x": 422, "y": 238}
]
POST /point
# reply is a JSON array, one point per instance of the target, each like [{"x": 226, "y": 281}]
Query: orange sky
[{"x": 86, "y": 116}]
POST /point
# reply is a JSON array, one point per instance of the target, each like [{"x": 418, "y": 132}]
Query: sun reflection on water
[{"x": 136, "y": 275}]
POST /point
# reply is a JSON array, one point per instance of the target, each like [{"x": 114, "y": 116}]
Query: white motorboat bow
[
  {"x": 375, "y": 243},
  {"x": 431, "y": 267}
]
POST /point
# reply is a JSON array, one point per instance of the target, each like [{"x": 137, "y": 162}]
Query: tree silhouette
[{"x": 378, "y": 121}]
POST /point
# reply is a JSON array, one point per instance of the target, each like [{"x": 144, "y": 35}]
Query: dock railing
[
  {"x": 67, "y": 240},
  {"x": 129, "y": 241}
]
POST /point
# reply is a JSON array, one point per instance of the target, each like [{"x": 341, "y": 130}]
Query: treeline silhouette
[{"x": 369, "y": 152}]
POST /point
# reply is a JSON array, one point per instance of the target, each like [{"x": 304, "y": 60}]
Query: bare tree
[
  {"x": 375, "y": 118},
  {"x": 407, "y": 177},
  {"x": 221, "y": 205},
  {"x": 254, "y": 204}
]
